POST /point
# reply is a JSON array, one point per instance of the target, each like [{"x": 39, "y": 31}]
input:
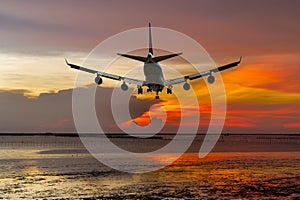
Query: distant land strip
[{"x": 116, "y": 135}]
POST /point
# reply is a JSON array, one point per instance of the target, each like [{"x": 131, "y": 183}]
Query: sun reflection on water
[{"x": 58, "y": 174}]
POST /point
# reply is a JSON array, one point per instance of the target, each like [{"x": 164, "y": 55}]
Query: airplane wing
[
  {"x": 107, "y": 75},
  {"x": 201, "y": 74}
]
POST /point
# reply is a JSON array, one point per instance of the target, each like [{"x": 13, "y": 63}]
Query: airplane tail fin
[
  {"x": 153, "y": 59},
  {"x": 159, "y": 58},
  {"x": 140, "y": 58},
  {"x": 150, "y": 40}
]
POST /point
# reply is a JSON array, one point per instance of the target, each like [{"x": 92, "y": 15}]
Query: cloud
[
  {"x": 295, "y": 125},
  {"x": 254, "y": 27},
  {"x": 53, "y": 111},
  {"x": 261, "y": 92}
]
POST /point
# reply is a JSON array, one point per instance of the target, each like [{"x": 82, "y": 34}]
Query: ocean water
[{"x": 48, "y": 167}]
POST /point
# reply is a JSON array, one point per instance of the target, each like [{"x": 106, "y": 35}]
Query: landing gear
[
  {"x": 157, "y": 97},
  {"x": 140, "y": 90},
  {"x": 156, "y": 88},
  {"x": 169, "y": 91}
]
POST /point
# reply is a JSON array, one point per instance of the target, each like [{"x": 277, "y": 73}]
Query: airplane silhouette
[{"x": 154, "y": 77}]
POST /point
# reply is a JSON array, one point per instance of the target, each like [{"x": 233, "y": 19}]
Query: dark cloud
[{"x": 53, "y": 111}]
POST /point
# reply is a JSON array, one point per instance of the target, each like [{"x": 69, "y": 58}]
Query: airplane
[{"x": 154, "y": 77}]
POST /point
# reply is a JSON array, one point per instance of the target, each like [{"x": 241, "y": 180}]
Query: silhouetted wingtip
[
  {"x": 149, "y": 24},
  {"x": 241, "y": 58},
  {"x": 67, "y": 61}
]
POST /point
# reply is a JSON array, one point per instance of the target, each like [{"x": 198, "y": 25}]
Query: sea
[{"x": 241, "y": 166}]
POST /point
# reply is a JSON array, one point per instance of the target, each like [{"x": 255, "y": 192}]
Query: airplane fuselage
[{"x": 154, "y": 77}]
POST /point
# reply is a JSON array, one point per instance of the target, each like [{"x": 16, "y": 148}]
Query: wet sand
[{"x": 47, "y": 167}]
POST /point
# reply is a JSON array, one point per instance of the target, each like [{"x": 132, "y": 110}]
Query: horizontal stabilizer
[
  {"x": 165, "y": 57},
  {"x": 139, "y": 58}
]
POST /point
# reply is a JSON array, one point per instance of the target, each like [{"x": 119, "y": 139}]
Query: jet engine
[
  {"x": 98, "y": 80},
  {"x": 124, "y": 87},
  {"x": 211, "y": 79},
  {"x": 186, "y": 86}
]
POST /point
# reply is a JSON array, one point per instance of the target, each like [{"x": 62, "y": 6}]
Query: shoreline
[
  {"x": 225, "y": 143},
  {"x": 156, "y": 135}
]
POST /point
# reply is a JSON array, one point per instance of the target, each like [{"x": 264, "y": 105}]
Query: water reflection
[{"x": 54, "y": 173}]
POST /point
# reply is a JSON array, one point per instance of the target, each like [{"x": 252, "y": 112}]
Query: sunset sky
[{"x": 263, "y": 94}]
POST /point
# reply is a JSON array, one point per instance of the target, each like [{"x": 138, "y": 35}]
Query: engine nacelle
[
  {"x": 124, "y": 87},
  {"x": 98, "y": 80},
  {"x": 186, "y": 86},
  {"x": 211, "y": 79}
]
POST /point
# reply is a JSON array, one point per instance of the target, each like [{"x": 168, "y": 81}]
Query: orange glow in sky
[
  {"x": 262, "y": 93},
  {"x": 256, "y": 95}
]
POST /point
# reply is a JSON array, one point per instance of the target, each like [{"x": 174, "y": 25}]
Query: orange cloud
[
  {"x": 261, "y": 95},
  {"x": 61, "y": 123},
  {"x": 295, "y": 125},
  {"x": 279, "y": 73}
]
